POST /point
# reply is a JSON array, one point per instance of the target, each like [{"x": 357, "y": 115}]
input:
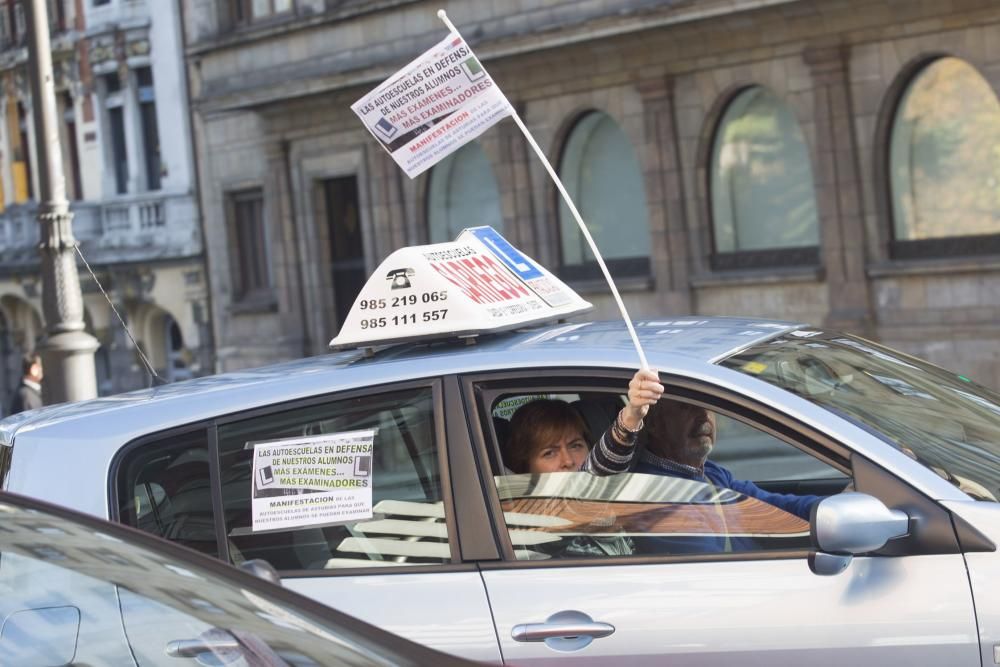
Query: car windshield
[{"x": 943, "y": 420}]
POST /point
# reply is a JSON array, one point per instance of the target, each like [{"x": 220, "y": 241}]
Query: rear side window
[
  {"x": 164, "y": 489},
  {"x": 406, "y": 525}
]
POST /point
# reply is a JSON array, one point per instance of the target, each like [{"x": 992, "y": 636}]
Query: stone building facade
[
  {"x": 832, "y": 161},
  {"x": 125, "y": 136}
]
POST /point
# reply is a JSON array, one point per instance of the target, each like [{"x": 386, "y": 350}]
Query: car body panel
[
  {"x": 456, "y": 620},
  {"x": 772, "y": 613},
  {"x": 984, "y": 573},
  {"x": 91, "y": 635}
]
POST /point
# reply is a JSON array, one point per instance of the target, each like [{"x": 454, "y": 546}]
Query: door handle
[
  {"x": 563, "y": 631},
  {"x": 214, "y": 641}
]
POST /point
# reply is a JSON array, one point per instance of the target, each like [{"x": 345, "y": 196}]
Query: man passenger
[{"x": 679, "y": 438}]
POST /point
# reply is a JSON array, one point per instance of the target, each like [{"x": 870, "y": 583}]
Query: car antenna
[{"x": 155, "y": 380}]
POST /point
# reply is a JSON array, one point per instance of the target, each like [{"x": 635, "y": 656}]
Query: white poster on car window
[{"x": 310, "y": 481}]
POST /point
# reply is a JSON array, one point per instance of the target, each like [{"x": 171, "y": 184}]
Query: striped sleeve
[{"x": 608, "y": 457}]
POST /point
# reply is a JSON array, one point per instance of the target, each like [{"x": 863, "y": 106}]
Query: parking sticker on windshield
[{"x": 310, "y": 481}]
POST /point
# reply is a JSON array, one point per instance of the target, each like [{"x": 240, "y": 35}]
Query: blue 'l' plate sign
[{"x": 506, "y": 253}]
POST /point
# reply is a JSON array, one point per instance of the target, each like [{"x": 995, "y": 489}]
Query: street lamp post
[{"x": 67, "y": 350}]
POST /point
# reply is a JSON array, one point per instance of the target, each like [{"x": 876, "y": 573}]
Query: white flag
[{"x": 433, "y": 106}]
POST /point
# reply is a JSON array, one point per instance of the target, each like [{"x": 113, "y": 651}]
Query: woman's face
[{"x": 566, "y": 452}]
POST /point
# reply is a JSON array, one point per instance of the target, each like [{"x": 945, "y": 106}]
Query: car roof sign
[{"x": 477, "y": 284}]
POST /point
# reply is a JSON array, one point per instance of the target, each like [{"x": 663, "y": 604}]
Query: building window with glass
[
  {"x": 117, "y": 151},
  {"x": 462, "y": 193},
  {"x": 150, "y": 134},
  {"x": 944, "y": 164},
  {"x": 74, "y": 186},
  {"x": 242, "y": 12},
  {"x": 761, "y": 186},
  {"x": 24, "y": 182},
  {"x": 602, "y": 175},
  {"x": 251, "y": 272}
]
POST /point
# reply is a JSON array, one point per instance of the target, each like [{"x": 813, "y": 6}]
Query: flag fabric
[{"x": 433, "y": 106}]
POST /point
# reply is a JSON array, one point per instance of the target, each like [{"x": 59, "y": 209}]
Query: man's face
[{"x": 682, "y": 432}]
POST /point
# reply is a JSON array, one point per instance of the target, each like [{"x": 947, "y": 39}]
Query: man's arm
[{"x": 800, "y": 506}]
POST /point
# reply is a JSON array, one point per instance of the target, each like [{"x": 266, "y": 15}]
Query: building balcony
[{"x": 135, "y": 228}]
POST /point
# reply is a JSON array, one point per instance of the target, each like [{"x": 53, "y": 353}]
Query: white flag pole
[{"x": 572, "y": 207}]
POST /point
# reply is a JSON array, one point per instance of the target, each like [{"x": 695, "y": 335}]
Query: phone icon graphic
[{"x": 400, "y": 278}]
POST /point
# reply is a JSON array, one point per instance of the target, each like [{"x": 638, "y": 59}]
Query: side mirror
[{"x": 849, "y": 524}]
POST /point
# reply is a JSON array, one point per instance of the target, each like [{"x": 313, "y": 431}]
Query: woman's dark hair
[{"x": 536, "y": 424}]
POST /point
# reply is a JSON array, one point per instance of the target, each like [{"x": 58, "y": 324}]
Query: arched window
[
  {"x": 462, "y": 193},
  {"x": 762, "y": 191},
  {"x": 601, "y": 173},
  {"x": 944, "y": 163}
]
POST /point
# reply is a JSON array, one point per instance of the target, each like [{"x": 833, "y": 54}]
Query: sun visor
[{"x": 477, "y": 284}]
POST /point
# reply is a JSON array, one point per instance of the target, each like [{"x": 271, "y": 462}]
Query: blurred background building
[
  {"x": 129, "y": 165},
  {"x": 832, "y": 161}
]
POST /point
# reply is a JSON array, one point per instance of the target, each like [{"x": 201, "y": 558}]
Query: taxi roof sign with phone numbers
[{"x": 477, "y": 284}]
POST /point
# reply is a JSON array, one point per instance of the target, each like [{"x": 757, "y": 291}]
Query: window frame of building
[
  {"x": 24, "y": 144},
  {"x": 250, "y": 256},
  {"x": 57, "y": 15},
  {"x": 241, "y": 13},
  {"x": 635, "y": 266},
  {"x": 338, "y": 214},
  {"x": 73, "y": 152},
  {"x": 753, "y": 259},
  {"x": 116, "y": 146},
  {"x": 19, "y": 22},
  {"x": 6, "y": 36},
  {"x": 148, "y": 126},
  {"x": 956, "y": 246}
]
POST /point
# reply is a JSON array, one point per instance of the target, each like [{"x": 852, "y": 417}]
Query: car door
[
  {"x": 376, "y": 539},
  {"x": 712, "y": 577}
]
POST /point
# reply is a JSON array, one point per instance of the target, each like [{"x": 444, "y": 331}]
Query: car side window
[
  {"x": 407, "y": 524},
  {"x": 753, "y": 493},
  {"x": 751, "y": 454},
  {"x": 164, "y": 489}
]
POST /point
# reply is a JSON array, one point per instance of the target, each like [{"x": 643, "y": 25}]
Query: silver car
[
  {"x": 896, "y": 565},
  {"x": 81, "y": 591}
]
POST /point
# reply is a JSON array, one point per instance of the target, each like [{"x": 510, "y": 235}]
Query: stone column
[
  {"x": 67, "y": 350},
  {"x": 660, "y": 158},
  {"x": 838, "y": 193},
  {"x": 388, "y": 212}
]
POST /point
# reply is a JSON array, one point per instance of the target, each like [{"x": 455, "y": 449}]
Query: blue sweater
[{"x": 715, "y": 474}]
